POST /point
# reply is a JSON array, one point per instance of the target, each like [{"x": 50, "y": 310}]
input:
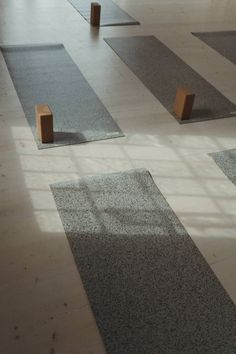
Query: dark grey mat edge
[
  {"x": 164, "y": 98},
  {"x": 226, "y": 161},
  {"x": 213, "y": 33},
  {"x": 150, "y": 291},
  {"x": 62, "y": 137},
  {"x": 222, "y": 42}
]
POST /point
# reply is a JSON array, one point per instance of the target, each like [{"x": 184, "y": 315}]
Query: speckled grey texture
[
  {"x": 111, "y": 14},
  {"x": 226, "y": 160},
  {"x": 149, "y": 287},
  {"x": 46, "y": 74},
  {"x": 162, "y": 72},
  {"x": 223, "y": 42}
]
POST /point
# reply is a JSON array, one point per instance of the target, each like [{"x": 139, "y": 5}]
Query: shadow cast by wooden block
[
  {"x": 68, "y": 137},
  {"x": 199, "y": 115}
]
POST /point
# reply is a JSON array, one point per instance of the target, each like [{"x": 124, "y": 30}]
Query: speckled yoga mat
[
  {"x": 226, "y": 160},
  {"x": 46, "y": 74},
  {"x": 162, "y": 72},
  {"x": 111, "y": 14},
  {"x": 150, "y": 289},
  {"x": 223, "y": 42}
]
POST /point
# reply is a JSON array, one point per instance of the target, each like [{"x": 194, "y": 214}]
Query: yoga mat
[
  {"x": 226, "y": 160},
  {"x": 162, "y": 72},
  {"x": 46, "y": 74},
  {"x": 150, "y": 289},
  {"x": 111, "y": 14},
  {"x": 223, "y": 42}
]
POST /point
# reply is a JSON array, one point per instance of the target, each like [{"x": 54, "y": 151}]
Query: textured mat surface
[
  {"x": 150, "y": 289},
  {"x": 223, "y": 42},
  {"x": 47, "y": 74},
  {"x": 226, "y": 160},
  {"x": 111, "y": 14},
  {"x": 162, "y": 72}
]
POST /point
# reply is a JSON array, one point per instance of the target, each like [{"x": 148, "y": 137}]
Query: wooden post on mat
[
  {"x": 183, "y": 103},
  {"x": 44, "y": 123},
  {"x": 95, "y": 14}
]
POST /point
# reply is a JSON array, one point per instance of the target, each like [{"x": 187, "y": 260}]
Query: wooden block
[
  {"x": 95, "y": 14},
  {"x": 44, "y": 123},
  {"x": 183, "y": 103}
]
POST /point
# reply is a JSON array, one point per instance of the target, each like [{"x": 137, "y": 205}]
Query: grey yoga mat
[
  {"x": 111, "y": 14},
  {"x": 46, "y": 74},
  {"x": 226, "y": 160},
  {"x": 150, "y": 289},
  {"x": 162, "y": 72},
  {"x": 223, "y": 42}
]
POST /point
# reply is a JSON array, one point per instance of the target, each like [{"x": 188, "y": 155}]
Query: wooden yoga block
[
  {"x": 95, "y": 14},
  {"x": 44, "y": 123},
  {"x": 183, "y": 103}
]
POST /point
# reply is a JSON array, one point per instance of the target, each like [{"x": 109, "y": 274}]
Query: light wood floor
[{"x": 44, "y": 309}]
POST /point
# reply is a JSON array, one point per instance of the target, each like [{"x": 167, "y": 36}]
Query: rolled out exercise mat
[
  {"x": 150, "y": 289},
  {"x": 111, "y": 14},
  {"x": 226, "y": 160},
  {"x": 223, "y": 42},
  {"x": 162, "y": 72},
  {"x": 46, "y": 74}
]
